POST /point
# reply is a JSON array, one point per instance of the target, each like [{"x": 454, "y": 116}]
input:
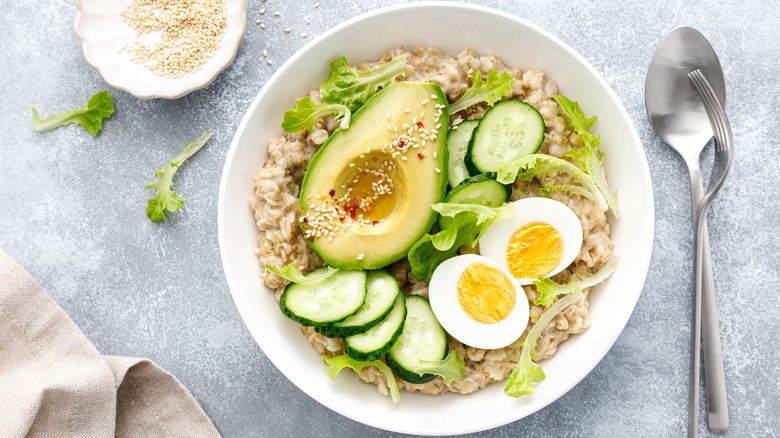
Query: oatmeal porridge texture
[{"x": 280, "y": 241}]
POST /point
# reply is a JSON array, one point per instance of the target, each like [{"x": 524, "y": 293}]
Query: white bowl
[
  {"x": 103, "y": 34},
  {"x": 521, "y": 44}
]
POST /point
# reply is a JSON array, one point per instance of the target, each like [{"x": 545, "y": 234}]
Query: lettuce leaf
[
  {"x": 549, "y": 290},
  {"x": 527, "y": 372},
  {"x": 90, "y": 116},
  {"x": 532, "y": 165},
  {"x": 498, "y": 85},
  {"x": 165, "y": 198},
  {"x": 451, "y": 368},
  {"x": 290, "y": 273},
  {"x": 306, "y": 114},
  {"x": 589, "y": 157},
  {"x": 346, "y": 85},
  {"x": 469, "y": 222},
  {"x": 337, "y": 363},
  {"x": 572, "y": 190}
]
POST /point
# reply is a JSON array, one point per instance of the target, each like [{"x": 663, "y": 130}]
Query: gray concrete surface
[{"x": 72, "y": 213}]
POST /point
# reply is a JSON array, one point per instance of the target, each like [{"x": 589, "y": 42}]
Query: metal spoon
[{"x": 679, "y": 118}]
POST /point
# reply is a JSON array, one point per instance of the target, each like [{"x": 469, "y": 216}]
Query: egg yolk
[
  {"x": 485, "y": 294},
  {"x": 534, "y": 250}
]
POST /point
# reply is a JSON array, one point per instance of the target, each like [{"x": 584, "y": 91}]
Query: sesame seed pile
[
  {"x": 336, "y": 211},
  {"x": 189, "y": 33}
]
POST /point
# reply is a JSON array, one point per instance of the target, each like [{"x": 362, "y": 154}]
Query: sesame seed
[
  {"x": 304, "y": 35},
  {"x": 287, "y": 30},
  {"x": 433, "y": 96},
  {"x": 408, "y": 110},
  {"x": 437, "y": 170},
  {"x": 269, "y": 61},
  {"x": 435, "y": 155},
  {"x": 424, "y": 101},
  {"x": 404, "y": 158},
  {"x": 388, "y": 116},
  {"x": 316, "y": 5},
  {"x": 257, "y": 21},
  {"x": 277, "y": 13},
  {"x": 262, "y": 11},
  {"x": 351, "y": 164},
  {"x": 262, "y": 25},
  {"x": 265, "y": 53},
  {"x": 189, "y": 34}
]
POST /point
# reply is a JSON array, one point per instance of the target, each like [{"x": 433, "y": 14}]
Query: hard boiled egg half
[
  {"x": 541, "y": 240},
  {"x": 478, "y": 302}
]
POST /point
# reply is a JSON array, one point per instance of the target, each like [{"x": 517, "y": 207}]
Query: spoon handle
[{"x": 717, "y": 404}]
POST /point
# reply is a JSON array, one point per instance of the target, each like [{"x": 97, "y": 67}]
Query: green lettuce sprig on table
[
  {"x": 469, "y": 222},
  {"x": 290, "y": 273},
  {"x": 90, "y": 116},
  {"x": 165, "y": 198},
  {"x": 527, "y": 372},
  {"x": 306, "y": 114},
  {"x": 549, "y": 290},
  {"x": 498, "y": 85},
  {"x": 348, "y": 86},
  {"x": 337, "y": 363},
  {"x": 589, "y": 157}
]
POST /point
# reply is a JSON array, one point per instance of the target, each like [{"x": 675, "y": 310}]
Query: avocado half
[{"x": 366, "y": 197}]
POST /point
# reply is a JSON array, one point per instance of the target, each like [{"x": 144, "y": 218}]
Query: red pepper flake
[
  {"x": 401, "y": 144},
  {"x": 374, "y": 222},
  {"x": 420, "y": 156},
  {"x": 367, "y": 209},
  {"x": 341, "y": 218},
  {"x": 305, "y": 219},
  {"x": 420, "y": 125},
  {"x": 352, "y": 207},
  {"x": 332, "y": 193}
]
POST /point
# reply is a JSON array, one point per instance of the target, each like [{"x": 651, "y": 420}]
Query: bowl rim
[
  {"x": 644, "y": 257},
  {"x": 129, "y": 87}
]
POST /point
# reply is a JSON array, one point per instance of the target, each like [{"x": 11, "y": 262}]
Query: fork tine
[{"x": 714, "y": 109}]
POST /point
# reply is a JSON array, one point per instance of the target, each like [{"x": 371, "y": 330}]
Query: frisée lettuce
[
  {"x": 306, "y": 114},
  {"x": 527, "y": 372},
  {"x": 589, "y": 157},
  {"x": 549, "y": 290},
  {"x": 338, "y": 363},
  {"x": 469, "y": 222},
  {"x": 348, "y": 86},
  {"x": 497, "y": 86}
]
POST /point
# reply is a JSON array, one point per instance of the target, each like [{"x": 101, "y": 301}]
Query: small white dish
[
  {"x": 103, "y": 34},
  {"x": 521, "y": 44}
]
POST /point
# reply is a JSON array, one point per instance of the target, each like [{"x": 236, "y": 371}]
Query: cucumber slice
[
  {"x": 381, "y": 291},
  {"x": 481, "y": 189},
  {"x": 423, "y": 338},
  {"x": 325, "y": 302},
  {"x": 372, "y": 344},
  {"x": 510, "y": 130},
  {"x": 458, "y": 146}
]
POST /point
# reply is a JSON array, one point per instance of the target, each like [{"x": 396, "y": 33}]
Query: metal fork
[{"x": 723, "y": 157}]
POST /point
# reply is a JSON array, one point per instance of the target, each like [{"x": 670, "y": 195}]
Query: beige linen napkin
[{"x": 54, "y": 383}]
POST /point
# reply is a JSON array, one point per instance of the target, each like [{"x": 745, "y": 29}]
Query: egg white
[
  {"x": 494, "y": 242},
  {"x": 443, "y": 296}
]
